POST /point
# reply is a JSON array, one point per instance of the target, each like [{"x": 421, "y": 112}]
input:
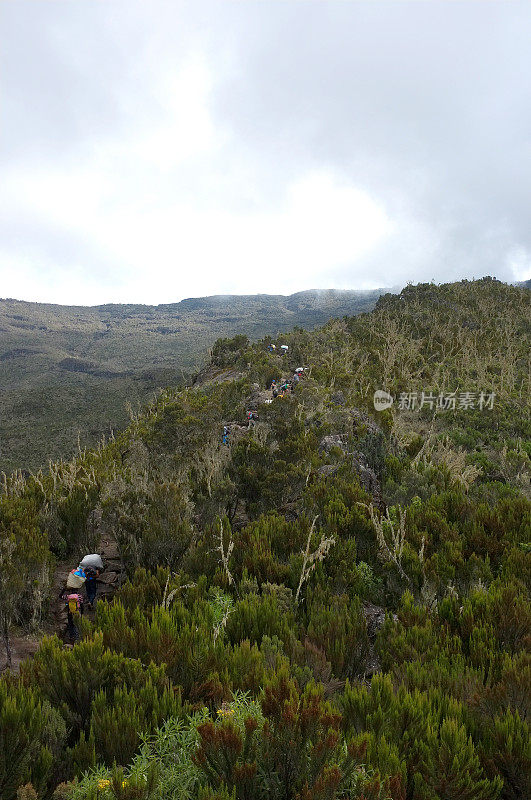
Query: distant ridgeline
[
  {"x": 69, "y": 370},
  {"x": 323, "y": 600}
]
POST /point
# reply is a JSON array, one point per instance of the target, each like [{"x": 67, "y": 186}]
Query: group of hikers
[
  {"x": 288, "y": 386},
  {"x": 278, "y": 389},
  {"x": 85, "y": 576},
  {"x": 252, "y": 419}
]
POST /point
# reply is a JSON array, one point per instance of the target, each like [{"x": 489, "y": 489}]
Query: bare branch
[
  {"x": 225, "y": 554},
  {"x": 311, "y": 559},
  {"x": 390, "y": 552}
]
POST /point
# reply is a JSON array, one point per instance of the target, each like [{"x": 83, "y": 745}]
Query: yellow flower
[
  {"x": 103, "y": 784},
  {"x": 124, "y": 784}
]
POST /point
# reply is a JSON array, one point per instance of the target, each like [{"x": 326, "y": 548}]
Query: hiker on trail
[
  {"x": 272, "y": 348},
  {"x": 287, "y": 387},
  {"x": 85, "y": 575},
  {"x": 91, "y": 565},
  {"x": 226, "y": 431},
  {"x": 284, "y": 348},
  {"x": 91, "y": 585},
  {"x": 295, "y": 379},
  {"x": 74, "y": 612},
  {"x": 252, "y": 417}
]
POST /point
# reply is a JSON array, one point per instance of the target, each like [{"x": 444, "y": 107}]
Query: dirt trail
[{"x": 25, "y": 646}]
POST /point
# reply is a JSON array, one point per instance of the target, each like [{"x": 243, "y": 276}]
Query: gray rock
[
  {"x": 327, "y": 443},
  {"x": 362, "y": 420},
  {"x": 374, "y": 617},
  {"x": 327, "y": 470},
  {"x": 368, "y": 479}
]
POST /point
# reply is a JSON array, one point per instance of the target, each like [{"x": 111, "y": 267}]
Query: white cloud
[
  {"x": 187, "y": 130},
  {"x": 175, "y": 214},
  {"x": 163, "y": 151},
  {"x": 177, "y": 248},
  {"x": 519, "y": 262}
]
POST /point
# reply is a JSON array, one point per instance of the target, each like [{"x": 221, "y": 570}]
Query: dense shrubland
[{"x": 336, "y": 604}]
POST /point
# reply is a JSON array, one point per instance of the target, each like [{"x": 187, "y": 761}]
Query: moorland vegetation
[{"x": 333, "y": 604}]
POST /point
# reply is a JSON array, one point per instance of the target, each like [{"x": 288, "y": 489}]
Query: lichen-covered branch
[{"x": 311, "y": 559}]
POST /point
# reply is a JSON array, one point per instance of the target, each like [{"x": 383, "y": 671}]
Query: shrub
[{"x": 31, "y": 735}]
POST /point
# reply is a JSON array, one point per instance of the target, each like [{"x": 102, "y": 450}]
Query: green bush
[{"x": 31, "y": 736}]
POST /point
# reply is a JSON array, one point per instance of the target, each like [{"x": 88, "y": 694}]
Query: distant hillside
[{"x": 66, "y": 370}]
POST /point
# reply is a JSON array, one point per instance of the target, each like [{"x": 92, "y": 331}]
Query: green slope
[{"x": 334, "y": 603}]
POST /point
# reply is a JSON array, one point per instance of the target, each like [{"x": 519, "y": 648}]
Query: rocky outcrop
[
  {"x": 328, "y": 443},
  {"x": 368, "y": 479},
  {"x": 362, "y": 421},
  {"x": 327, "y": 470}
]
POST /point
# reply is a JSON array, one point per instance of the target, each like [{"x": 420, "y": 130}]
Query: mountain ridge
[
  {"x": 320, "y": 589},
  {"x": 69, "y": 370}
]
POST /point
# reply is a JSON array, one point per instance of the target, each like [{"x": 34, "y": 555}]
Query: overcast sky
[{"x": 152, "y": 150}]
